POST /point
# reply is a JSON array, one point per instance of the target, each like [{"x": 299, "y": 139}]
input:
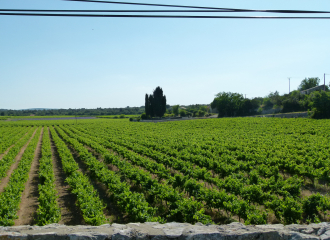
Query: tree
[
  {"x": 276, "y": 99},
  {"x": 183, "y": 113},
  {"x": 159, "y": 103},
  {"x": 256, "y": 102},
  {"x": 155, "y": 104},
  {"x": 175, "y": 110},
  {"x": 308, "y": 83},
  {"x": 272, "y": 100},
  {"x": 147, "y": 106},
  {"x": 267, "y": 103},
  {"x": 295, "y": 101},
  {"x": 151, "y": 109},
  {"x": 227, "y": 103},
  {"x": 200, "y": 113},
  {"x": 163, "y": 105},
  {"x": 321, "y": 105},
  {"x": 247, "y": 108},
  {"x": 203, "y": 108}
]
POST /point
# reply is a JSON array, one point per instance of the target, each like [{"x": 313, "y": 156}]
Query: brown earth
[
  {"x": 218, "y": 216},
  {"x": 70, "y": 213},
  {"x": 111, "y": 211},
  {"x": 29, "y": 202},
  {"x": 5, "y": 180}
]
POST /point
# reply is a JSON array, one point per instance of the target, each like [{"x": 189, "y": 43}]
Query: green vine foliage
[{"x": 250, "y": 170}]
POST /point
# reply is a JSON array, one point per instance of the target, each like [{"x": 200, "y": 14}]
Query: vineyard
[{"x": 252, "y": 170}]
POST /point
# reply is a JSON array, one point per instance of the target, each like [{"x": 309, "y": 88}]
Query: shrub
[
  {"x": 321, "y": 105},
  {"x": 200, "y": 113},
  {"x": 183, "y": 113}
]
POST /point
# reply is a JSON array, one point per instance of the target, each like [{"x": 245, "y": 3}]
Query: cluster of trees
[
  {"x": 196, "y": 110},
  {"x": 321, "y": 105},
  {"x": 155, "y": 104},
  {"x": 227, "y": 103},
  {"x": 308, "y": 83},
  {"x": 297, "y": 101},
  {"x": 233, "y": 104},
  {"x": 79, "y": 112}
]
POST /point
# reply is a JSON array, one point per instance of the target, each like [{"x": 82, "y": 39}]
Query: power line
[
  {"x": 151, "y": 4},
  {"x": 96, "y": 11},
  {"x": 38, "y": 10},
  {"x": 154, "y": 16},
  {"x": 200, "y": 7}
]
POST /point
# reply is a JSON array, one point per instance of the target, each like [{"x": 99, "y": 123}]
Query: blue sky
[{"x": 52, "y": 62}]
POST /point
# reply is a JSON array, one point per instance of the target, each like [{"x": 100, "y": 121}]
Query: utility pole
[
  {"x": 324, "y": 80},
  {"x": 289, "y": 84}
]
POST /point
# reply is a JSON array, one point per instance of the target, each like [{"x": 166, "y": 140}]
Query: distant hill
[
  {"x": 39, "y": 109},
  {"x": 80, "y": 111}
]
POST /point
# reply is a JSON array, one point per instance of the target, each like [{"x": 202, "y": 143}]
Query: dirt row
[
  {"x": 5, "y": 180},
  {"x": 219, "y": 217},
  {"x": 70, "y": 214},
  {"x": 29, "y": 202},
  {"x": 111, "y": 211}
]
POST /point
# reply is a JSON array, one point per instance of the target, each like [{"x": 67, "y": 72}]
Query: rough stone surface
[{"x": 168, "y": 231}]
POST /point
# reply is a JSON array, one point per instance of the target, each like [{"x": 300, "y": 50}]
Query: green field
[
  {"x": 118, "y": 116},
  {"x": 252, "y": 170},
  {"x": 13, "y": 118}
]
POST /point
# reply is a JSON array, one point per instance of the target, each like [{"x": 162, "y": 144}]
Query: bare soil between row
[
  {"x": 70, "y": 213},
  {"x": 29, "y": 202},
  {"x": 5, "y": 180}
]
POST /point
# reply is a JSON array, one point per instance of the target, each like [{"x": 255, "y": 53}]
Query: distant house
[{"x": 308, "y": 91}]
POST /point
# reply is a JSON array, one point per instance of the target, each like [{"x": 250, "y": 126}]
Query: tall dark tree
[
  {"x": 155, "y": 104},
  {"x": 147, "y": 105},
  {"x": 163, "y": 105},
  {"x": 158, "y": 102},
  {"x": 151, "y": 105}
]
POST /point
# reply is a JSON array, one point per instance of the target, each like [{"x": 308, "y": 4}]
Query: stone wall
[
  {"x": 286, "y": 115},
  {"x": 271, "y": 111},
  {"x": 168, "y": 231},
  {"x": 308, "y": 91}
]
